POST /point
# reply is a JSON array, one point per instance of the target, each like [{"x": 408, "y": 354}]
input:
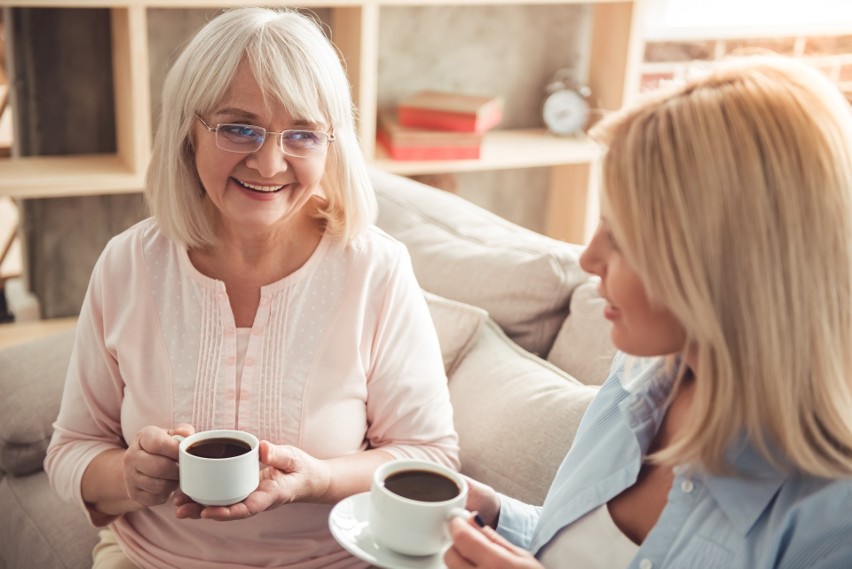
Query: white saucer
[{"x": 349, "y": 525}]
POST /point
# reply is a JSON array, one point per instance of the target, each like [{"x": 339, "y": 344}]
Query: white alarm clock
[{"x": 566, "y": 108}]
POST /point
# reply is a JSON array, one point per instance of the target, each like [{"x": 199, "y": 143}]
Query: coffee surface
[
  {"x": 219, "y": 448},
  {"x": 422, "y": 485}
]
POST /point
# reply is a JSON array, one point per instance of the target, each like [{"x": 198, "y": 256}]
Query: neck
[{"x": 261, "y": 255}]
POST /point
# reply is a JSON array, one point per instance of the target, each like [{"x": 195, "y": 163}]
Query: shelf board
[
  {"x": 294, "y": 4},
  {"x": 79, "y": 175},
  {"x": 489, "y": 2},
  {"x": 502, "y": 150},
  {"x": 175, "y": 4}
]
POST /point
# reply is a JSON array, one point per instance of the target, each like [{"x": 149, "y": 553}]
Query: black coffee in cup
[
  {"x": 422, "y": 485},
  {"x": 219, "y": 448}
]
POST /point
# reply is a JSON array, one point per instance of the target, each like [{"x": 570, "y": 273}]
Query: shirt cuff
[{"x": 517, "y": 521}]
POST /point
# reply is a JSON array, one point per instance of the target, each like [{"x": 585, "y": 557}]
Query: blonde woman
[
  {"x": 725, "y": 260},
  {"x": 259, "y": 297}
]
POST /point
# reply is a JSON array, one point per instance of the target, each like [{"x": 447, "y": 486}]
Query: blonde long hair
[
  {"x": 731, "y": 196},
  {"x": 296, "y": 66}
]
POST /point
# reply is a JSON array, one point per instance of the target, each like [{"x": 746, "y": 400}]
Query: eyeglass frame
[{"x": 267, "y": 132}]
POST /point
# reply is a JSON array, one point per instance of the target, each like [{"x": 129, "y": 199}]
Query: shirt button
[
  {"x": 230, "y": 395},
  {"x": 687, "y": 486},
  {"x": 646, "y": 564},
  {"x": 249, "y": 362},
  {"x": 231, "y": 361}
]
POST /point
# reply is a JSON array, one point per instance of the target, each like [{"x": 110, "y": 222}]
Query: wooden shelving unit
[{"x": 613, "y": 57}]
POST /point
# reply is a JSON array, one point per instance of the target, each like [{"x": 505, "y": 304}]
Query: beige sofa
[{"x": 521, "y": 332}]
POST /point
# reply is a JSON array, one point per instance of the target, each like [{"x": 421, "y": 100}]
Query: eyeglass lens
[{"x": 248, "y": 138}]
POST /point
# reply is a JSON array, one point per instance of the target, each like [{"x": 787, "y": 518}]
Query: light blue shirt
[{"x": 766, "y": 520}]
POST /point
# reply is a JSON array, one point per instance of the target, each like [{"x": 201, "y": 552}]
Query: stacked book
[{"x": 436, "y": 125}]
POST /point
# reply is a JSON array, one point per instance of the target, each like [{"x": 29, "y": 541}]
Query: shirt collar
[{"x": 745, "y": 493}]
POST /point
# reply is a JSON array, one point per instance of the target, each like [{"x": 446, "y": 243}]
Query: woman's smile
[{"x": 262, "y": 188}]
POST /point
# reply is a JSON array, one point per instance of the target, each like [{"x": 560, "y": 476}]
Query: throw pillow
[
  {"x": 583, "y": 346},
  {"x": 32, "y": 376},
  {"x": 457, "y": 325},
  {"x": 516, "y": 415},
  {"x": 463, "y": 252}
]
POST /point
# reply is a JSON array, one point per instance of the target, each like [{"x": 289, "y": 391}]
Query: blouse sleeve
[
  {"x": 408, "y": 405},
  {"x": 89, "y": 416}
]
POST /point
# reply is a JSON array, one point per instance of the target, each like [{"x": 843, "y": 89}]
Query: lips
[
  {"x": 263, "y": 189},
  {"x": 610, "y": 311}
]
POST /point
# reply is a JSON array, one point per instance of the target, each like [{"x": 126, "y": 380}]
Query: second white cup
[
  {"x": 411, "y": 503},
  {"x": 219, "y": 467}
]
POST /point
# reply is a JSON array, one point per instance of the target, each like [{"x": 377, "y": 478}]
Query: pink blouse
[{"x": 342, "y": 356}]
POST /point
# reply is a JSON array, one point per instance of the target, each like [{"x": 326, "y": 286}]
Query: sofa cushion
[
  {"x": 457, "y": 325},
  {"x": 41, "y": 531},
  {"x": 463, "y": 252},
  {"x": 516, "y": 415},
  {"x": 583, "y": 346},
  {"x": 32, "y": 376}
]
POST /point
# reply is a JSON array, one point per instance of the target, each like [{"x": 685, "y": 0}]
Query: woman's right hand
[
  {"x": 474, "y": 546},
  {"x": 151, "y": 472}
]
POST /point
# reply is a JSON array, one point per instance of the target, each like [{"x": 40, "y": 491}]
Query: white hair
[{"x": 297, "y": 67}]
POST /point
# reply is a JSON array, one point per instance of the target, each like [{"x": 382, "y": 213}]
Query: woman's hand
[
  {"x": 292, "y": 475},
  {"x": 482, "y": 499},
  {"x": 150, "y": 464},
  {"x": 482, "y": 547}
]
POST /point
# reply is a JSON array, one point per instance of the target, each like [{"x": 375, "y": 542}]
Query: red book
[
  {"x": 450, "y": 111},
  {"x": 404, "y": 143}
]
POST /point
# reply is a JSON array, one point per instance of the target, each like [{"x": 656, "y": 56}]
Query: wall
[{"x": 511, "y": 51}]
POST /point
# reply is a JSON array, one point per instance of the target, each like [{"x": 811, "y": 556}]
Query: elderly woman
[
  {"x": 725, "y": 257},
  {"x": 258, "y": 297}
]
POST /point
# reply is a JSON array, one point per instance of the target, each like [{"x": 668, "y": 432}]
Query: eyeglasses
[{"x": 247, "y": 138}]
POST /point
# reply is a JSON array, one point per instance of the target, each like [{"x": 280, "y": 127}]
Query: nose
[
  {"x": 269, "y": 159},
  {"x": 591, "y": 259}
]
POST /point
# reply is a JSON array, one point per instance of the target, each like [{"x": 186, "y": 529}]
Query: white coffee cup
[
  {"x": 219, "y": 467},
  {"x": 416, "y": 523}
]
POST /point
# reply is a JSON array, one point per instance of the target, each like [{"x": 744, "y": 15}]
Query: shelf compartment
[
  {"x": 503, "y": 150},
  {"x": 54, "y": 176},
  {"x": 90, "y": 174}
]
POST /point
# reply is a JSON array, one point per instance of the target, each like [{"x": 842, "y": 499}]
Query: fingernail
[{"x": 478, "y": 520}]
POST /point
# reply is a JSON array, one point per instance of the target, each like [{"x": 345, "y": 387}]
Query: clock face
[{"x": 565, "y": 112}]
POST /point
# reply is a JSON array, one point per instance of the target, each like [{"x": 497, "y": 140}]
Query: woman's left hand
[
  {"x": 292, "y": 475},
  {"x": 483, "y": 547}
]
